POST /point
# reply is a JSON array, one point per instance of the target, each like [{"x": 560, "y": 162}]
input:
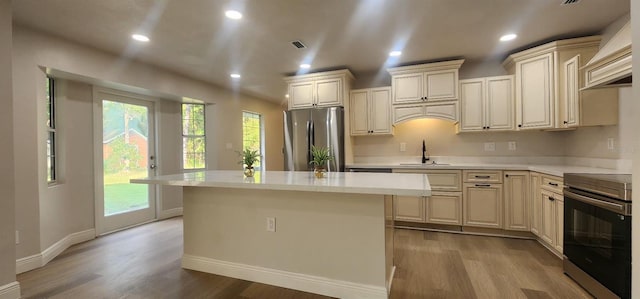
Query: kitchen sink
[{"x": 425, "y": 164}]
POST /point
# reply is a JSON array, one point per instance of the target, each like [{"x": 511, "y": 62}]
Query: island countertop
[{"x": 337, "y": 182}]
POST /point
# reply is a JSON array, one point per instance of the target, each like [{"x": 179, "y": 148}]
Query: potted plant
[
  {"x": 248, "y": 158},
  {"x": 321, "y": 155}
]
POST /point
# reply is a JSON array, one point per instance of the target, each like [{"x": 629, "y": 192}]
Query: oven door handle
[{"x": 614, "y": 207}]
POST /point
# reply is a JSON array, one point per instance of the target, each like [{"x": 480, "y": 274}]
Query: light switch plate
[
  {"x": 611, "y": 145},
  {"x": 489, "y": 146},
  {"x": 403, "y": 146},
  {"x": 271, "y": 224},
  {"x": 512, "y": 145}
]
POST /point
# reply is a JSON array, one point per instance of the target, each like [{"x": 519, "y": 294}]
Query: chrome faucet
[{"x": 424, "y": 153}]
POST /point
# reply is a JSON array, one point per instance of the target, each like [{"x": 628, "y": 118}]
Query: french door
[{"x": 124, "y": 150}]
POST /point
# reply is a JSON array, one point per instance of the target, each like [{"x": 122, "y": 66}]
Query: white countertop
[
  {"x": 339, "y": 182},
  {"x": 556, "y": 170}
]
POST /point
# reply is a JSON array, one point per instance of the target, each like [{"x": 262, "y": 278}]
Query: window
[
  {"x": 252, "y": 135},
  {"x": 193, "y": 136},
  {"x": 51, "y": 132}
]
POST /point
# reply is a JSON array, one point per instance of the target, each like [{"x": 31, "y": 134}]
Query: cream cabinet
[
  {"x": 409, "y": 208},
  {"x": 444, "y": 206},
  {"x": 482, "y": 205},
  {"x": 516, "y": 200},
  {"x": 486, "y": 104},
  {"x": 425, "y": 90},
  {"x": 551, "y": 212},
  {"x": 547, "y": 87},
  {"x": 536, "y": 203},
  {"x": 441, "y": 110},
  {"x": 371, "y": 111},
  {"x": 323, "y": 89}
]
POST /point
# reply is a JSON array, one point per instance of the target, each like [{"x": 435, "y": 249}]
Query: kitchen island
[{"x": 331, "y": 236}]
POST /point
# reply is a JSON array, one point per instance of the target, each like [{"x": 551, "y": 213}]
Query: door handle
[{"x": 153, "y": 166}]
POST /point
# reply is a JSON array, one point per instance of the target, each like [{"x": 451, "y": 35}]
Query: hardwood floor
[{"x": 144, "y": 262}]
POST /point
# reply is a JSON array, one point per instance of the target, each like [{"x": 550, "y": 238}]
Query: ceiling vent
[
  {"x": 298, "y": 44},
  {"x": 567, "y": 2}
]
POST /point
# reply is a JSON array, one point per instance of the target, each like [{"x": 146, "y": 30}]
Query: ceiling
[{"x": 194, "y": 38}]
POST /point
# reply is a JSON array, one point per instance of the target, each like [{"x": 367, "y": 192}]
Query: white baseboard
[
  {"x": 170, "y": 213},
  {"x": 38, "y": 260},
  {"x": 10, "y": 291},
  {"x": 291, "y": 280}
]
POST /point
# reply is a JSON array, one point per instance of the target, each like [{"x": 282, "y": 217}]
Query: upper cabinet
[
  {"x": 548, "y": 79},
  {"x": 486, "y": 104},
  {"x": 433, "y": 86},
  {"x": 324, "y": 89},
  {"x": 612, "y": 64},
  {"x": 371, "y": 111}
]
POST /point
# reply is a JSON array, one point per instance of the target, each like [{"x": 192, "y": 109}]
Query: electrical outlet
[
  {"x": 611, "y": 144},
  {"x": 17, "y": 237},
  {"x": 403, "y": 146},
  {"x": 512, "y": 145},
  {"x": 489, "y": 146},
  {"x": 271, "y": 224},
  {"x": 229, "y": 145}
]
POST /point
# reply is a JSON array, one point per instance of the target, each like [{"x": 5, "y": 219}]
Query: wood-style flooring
[{"x": 144, "y": 262}]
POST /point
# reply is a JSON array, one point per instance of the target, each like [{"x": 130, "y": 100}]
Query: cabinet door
[
  {"x": 409, "y": 208},
  {"x": 548, "y": 218},
  {"x": 536, "y": 204},
  {"x": 516, "y": 200},
  {"x": 301, "y": 94},
  {"x": 407, "y": 88},
  {"x": 359, "y": 112},
  {"x": 380, "y": 111},
  {"x": 499, "y": 103},
  {"x": 559, "y": 222},
  {"x": 571, "y": 96},
  {"x": 472, "y": 105},
  {"x": 444, "y": 208},
  {"x": 482, "y": 205},
  {"x": 535, "y": 92},
  {"x": 329, "y": 92},
  {"x": 441, "y": 85}
]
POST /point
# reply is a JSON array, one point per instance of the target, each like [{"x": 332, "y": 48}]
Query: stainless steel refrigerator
[{"x": 322, "y": 127}]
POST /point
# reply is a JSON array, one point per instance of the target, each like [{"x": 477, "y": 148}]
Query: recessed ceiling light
[
  {"x": 305, "y": 66},
  {"x": 233, "y": 14},
  {"x": 235, "y": 76},
  {"x": 395, "y": 53},
  {"x": 140, "y": 37},
  {"x": 286, "y": 96},
  {"x": 508, "y": 37}
]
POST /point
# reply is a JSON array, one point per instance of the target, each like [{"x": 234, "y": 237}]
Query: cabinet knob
[
  {"x": 520, "y": 126},
  {"x": 565, "y": 122},
  {"x": 488, "y": 128},
  {"x": 506, "y": 175}
]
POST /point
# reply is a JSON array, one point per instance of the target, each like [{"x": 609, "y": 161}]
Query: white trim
[
  {"x": 390, "y": 283},
  {"x": 291, "y": 280},
  {"x": 170, "y": 213},
  {"x": 10, "y": 291},
  {"x": 39, "y": 260}
]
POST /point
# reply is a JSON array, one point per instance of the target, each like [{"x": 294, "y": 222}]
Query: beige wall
[
  {"x": 7, "y": 223},
  {"x": 442, "y": 140},
  {"x": 635, "y": 137},
  {"x": 44, "y": 215}
]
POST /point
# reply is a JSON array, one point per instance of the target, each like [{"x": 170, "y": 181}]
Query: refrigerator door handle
[
  {"x": 308, "y": 142},
  {"x": 313, "y": 134}
]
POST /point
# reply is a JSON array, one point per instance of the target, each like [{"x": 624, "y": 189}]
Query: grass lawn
[{"x": 120, "y": 196}]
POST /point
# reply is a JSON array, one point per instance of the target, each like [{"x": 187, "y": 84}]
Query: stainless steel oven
[{"x": 597, "y": 233}]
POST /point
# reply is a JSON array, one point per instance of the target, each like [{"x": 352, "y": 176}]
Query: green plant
[
  {"x": 249, "y": 157},
  {"x": 321, "y": 155}
]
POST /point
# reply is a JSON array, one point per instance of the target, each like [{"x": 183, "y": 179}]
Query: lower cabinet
[
  {"x": 536, "y": 203},
  {"x": 444, "y": 208},
  {"x": 516, "y": 200},
  {"x": 552, "y": 219},
  {"x": 482, "y": 205},
  {"x": 559, "y": 224},
  {"x": 409, "y": 208}
]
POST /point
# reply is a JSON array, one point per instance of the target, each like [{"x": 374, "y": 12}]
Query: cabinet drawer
[
  {"x": 440, "y": 180},
  {"x": 552, "y": 183},
  {"x": 484, "y": 176}
]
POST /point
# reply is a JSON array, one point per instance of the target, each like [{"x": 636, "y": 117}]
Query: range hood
[{"x": 611, "y": 66}]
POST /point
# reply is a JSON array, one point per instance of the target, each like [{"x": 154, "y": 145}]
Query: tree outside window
[
  {"x": 193, "y": 136},
  {"x": 252, "y": 135}
]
